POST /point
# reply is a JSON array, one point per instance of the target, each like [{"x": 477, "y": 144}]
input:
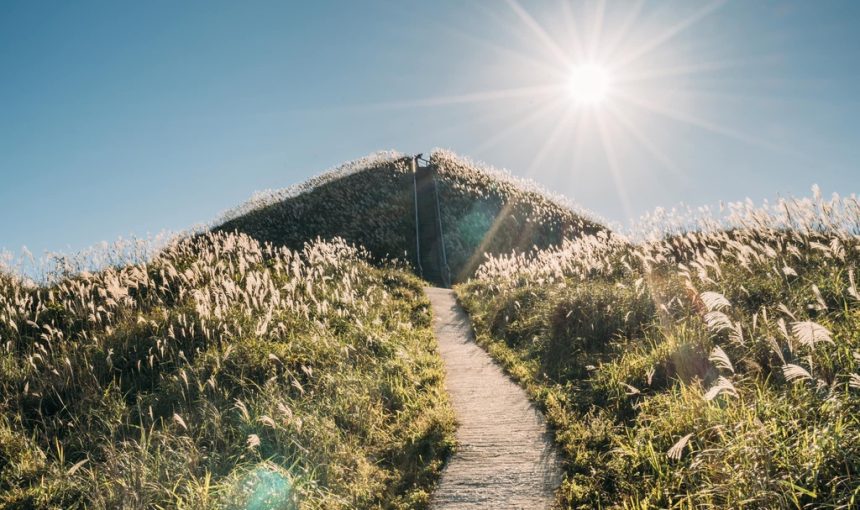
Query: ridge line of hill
[{"x": 370, "y": 203}]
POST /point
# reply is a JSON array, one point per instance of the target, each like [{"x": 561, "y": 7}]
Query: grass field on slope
[
  {"x": 221, "y": 374},
  {"x": 714, "y": 366},
  {"x": 370, "y": 202}
]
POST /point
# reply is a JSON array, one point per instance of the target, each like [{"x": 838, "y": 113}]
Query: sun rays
[
  {"x": 616, "y": 88},
  {"x": 592, "y": 86},
  {"x": 604, "y": 69}
]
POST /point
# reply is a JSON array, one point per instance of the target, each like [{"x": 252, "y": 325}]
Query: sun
[{"x": 589, "y": 84}]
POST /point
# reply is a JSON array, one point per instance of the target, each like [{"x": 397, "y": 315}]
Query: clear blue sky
[{"x": 121, "y": 118}]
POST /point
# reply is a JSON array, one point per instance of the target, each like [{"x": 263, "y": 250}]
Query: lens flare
[{"x": 267, "y": 487}]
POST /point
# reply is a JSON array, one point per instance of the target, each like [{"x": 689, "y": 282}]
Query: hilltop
[{"x": 371, "y": 202}]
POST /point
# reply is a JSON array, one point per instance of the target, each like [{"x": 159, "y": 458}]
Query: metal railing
[
  {"x": 446, "y": 274},
  {"x": 444, "y": 270},
  {"x": 415, "y": 200}
]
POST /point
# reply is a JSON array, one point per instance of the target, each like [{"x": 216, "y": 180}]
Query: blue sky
[{"x": 128, "y": 118}]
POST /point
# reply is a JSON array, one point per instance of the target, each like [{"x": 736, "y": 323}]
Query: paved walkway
[{"x": 505, "y": 458}]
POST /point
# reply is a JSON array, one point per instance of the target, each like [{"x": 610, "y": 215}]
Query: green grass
[
  {"x": 222, "y": 374},
  {"x": 264, "y": 364},
  {"x": 715, "y": 363},
  {"x": 488, "y": 212},
  {"x": 370, "y": 203},
  {"x": 617, "y": 341}
]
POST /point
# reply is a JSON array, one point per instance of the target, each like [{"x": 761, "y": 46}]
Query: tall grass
[
  {"x": 710, "y": 359},
  {"x": 267, "y": 198},
  {"x": 370, "y": 202},
  {"x": 221, "y": 373},
  {"x": 488, "y": 212}
]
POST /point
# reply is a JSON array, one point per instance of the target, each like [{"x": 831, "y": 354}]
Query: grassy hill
[
  {"x": 223, "y": 373},
  {"x": 283, "y": 359},
  {"x": 370, "y": 202},
  {"x": 253, "y": 368},
  {"x": 714, "y": 364}
]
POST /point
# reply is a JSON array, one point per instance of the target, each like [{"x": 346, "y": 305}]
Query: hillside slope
[
  {"x": 712, "y": 367},
  {"x": 371, "y": 203},
  {"x": 222, "y": 374},
  {"x": 367, "y": 202}
]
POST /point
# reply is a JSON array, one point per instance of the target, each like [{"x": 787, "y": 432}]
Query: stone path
[{"x": 505, "y": 458}]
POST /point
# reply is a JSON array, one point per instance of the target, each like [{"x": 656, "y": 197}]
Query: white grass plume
[
  {"x": 677, "y": 449},
  {"x": 714, "y": 301},
  {"x": 721, "y": 359},
  {"x": 809, "y": 333},
  {"x": 795, "y": 373},
  {"x": 722, "y": 385}
]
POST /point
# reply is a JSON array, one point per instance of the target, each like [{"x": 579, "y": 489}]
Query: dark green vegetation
[
  {"x": 370, "y": 203},
  {"x": 711, "y": 369},
  {"x": 222, "y": 374},
  {"x": 370, "y": 206}
]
